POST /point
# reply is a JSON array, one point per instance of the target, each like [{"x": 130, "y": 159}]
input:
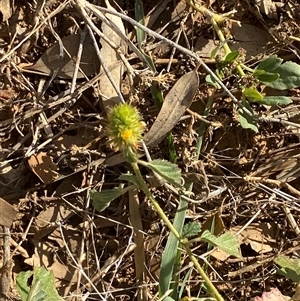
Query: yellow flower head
[{"x": 125, "y": 127}]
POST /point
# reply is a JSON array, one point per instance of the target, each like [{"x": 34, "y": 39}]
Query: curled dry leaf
[{"x": 175, "y": 104}]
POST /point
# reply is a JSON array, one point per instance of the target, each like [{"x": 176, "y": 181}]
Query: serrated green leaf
[
  {"x": 289, "y": 76},
  {"x": 227, "y": 242},
  {"x": 102, "y": 199},
  {"x": 276, "y": 100},
  {"x": 247, "y": 121},
  {"x": 42, "y": 288},
  {"x": 267, "y": 77},
  {"x": 191, "y": 229},
  {"x": 252, "y": 94},
  {"x": 165, "y": 169},
  {"x": 210, "y": 80},
  {"x": 230, "y": 57},
  {"x": 130, "y": 178},
  {"x": 270, "y": 64},
  {"x": 290, "y": 267}
]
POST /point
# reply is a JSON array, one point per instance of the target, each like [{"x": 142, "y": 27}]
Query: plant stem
[
  {"x": 204, "y": 276},
  {"x": 185, "y": 244},
  {"x": 149, "y": 195},
  {"x": 225, "y": 46},
  {"x": 215, "y": 19}
]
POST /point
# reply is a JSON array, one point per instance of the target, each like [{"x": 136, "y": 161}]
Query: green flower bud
[{"x": 125, "y": 127}]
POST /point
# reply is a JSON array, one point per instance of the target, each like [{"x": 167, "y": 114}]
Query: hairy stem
[{"x": 185, "y": 243}]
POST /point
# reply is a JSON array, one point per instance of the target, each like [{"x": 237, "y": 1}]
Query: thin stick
[{"x": 173, "y": 44}]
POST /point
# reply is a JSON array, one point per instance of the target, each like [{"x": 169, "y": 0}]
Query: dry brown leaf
[
  {"x": 251, "y": 38},
  {"x": 6, "y": 8},
  {"x": 112, "y": 60},
  {"x": 204, "y": 47},
  {"x": 267, "y": 7},
  {"x": 51, "y": 61},
  {"x": 8, "y": 213},
  {"x": 214, "y": 222},
  {"x": 80, "y": 139},
  {"x": 166, "y": 10},
  {"x": 46, "y": 221},
  {"x": 43, "y": 166},
  {"x": 175, "y": 104},
  {"x": 261, "y": 238}
]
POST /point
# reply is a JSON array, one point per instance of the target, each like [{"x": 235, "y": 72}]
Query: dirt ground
[{"x": 54, "y": 148}]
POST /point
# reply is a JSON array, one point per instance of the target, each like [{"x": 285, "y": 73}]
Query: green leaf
[
  {"x": 139, "y": 17},
  {"x": 266, "y": 77},
  {"x": 165, "y": 169},
  {"x": 252, "y": 94},
  {"x": 247, "y": 121},
  {"x": 220, "y": 74},
  {"x": 156, "y": 95},
  {"x": 290, "y": 267},
  {"x": 289, "y": 76},
  {"x": 130, "y": 178},
  {"x": 191, "y": 229},
  {"x": 22, "y": 286},
  {"x": 42, "y": 288},
  {"x": 172, "y": 149},
  {"x": 217, "y": 49},
  {"x": 210, "y": 80},
  {"x": 168, "y": 298},
  {"x": 269, "y": 64},
  {"x": 170, "y": 262},
  {"x": 259, "y": 72},
  {"x": 276, "y": 100},
  {"x": 231, "y": 56},
  {"x": 227, "y": 242},
  {"x": 36, "y": 292},
  {"x": 102, "y": 199}
]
